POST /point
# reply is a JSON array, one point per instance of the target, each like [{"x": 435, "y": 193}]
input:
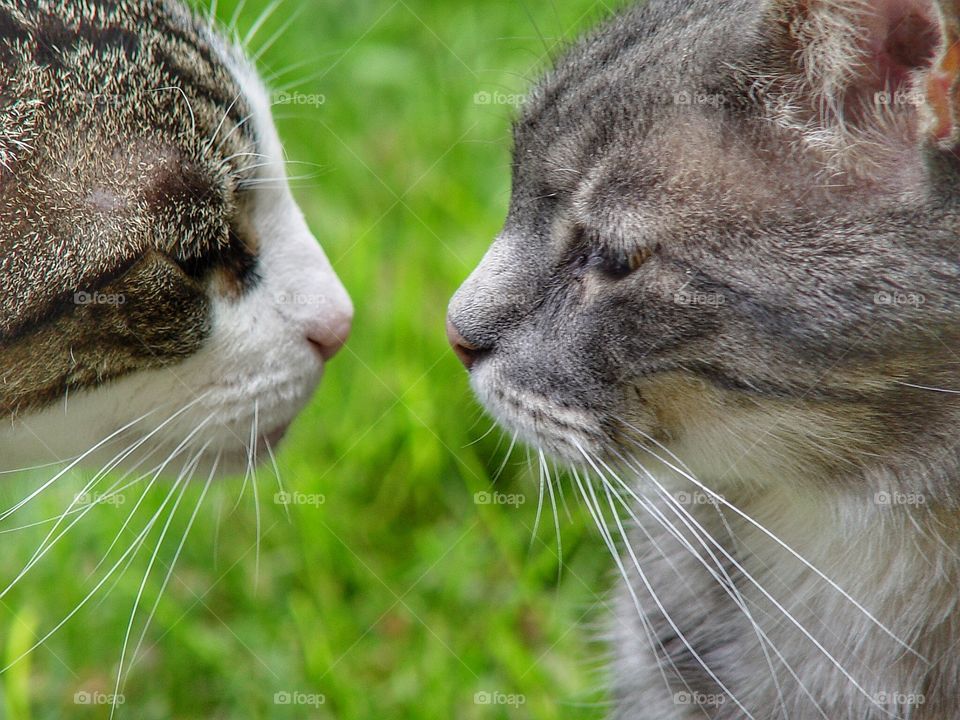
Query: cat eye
[
  {"x": 592, "y": 254},
  {"x": 236, "y": 259},
  {"x": 618, "y": 265}
]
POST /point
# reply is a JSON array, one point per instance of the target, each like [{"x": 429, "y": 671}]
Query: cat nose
[
  {"x": 330, "y": 335},
  {"x": 464, "y": 349}
]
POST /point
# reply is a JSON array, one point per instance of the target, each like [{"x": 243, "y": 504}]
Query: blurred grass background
[{"x": 394, "y": 593}]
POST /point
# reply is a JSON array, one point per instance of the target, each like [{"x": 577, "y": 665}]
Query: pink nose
[
  {"x": 464, "y": 349},
  {"x": 328, "y": 338}
]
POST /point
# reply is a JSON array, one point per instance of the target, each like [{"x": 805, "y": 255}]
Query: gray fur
[{"x": 793, "y": 310}]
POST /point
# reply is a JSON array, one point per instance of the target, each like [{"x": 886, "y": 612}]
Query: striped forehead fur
[{"x": 123, "y": 141}]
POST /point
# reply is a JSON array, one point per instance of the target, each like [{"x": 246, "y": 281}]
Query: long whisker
[
  {"x": 725, "y": 582},
  {"x": 216, "y": 132},
  {"x": 506, "y": 458},
  {"x": 786, "y": 613},
  {"x": 649, "y": 632},
  {"x": 540, "y": 498},
  {"x": 137, "y": 543},
  {"x": 234, "y": 129},
  {"x": 276, "y": 472},
  {"x": 656, "y": 598},
  {"x": 556, "y": 516},
  {"x": 158, "y": 471},
  {"x": 173, "y": 563},
  {"x": 281, "y": 31},
  {"x": 256, "y": 496},
  {"x": 7, "y": 513},
  {"x": 720, "y": 499},
  {"x": 235, "y": 18},
  {"x": 182, "y": 480},
  {"x": 259, "y": 23},
  {"x": 47, "y": 544}
]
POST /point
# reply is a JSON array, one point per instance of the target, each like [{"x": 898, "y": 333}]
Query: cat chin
[
  {"x": 243, "y": 386},
  {"x": 183, "y": 448}
]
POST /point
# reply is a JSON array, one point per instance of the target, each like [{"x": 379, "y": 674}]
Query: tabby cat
[
  {"x": 159, "y": 288},
  {"x": 727, "y": 294}
]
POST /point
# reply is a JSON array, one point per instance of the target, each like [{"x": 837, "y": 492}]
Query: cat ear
[
  {"x": 942, "y": 83},
  {"x": 855, "y": 64}
]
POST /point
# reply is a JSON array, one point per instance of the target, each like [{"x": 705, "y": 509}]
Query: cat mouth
[{"x": 570, "y": 434}]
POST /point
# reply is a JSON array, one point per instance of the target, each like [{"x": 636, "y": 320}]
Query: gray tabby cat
[
  {"x": 158, "y": 284},
  {"x": 728, "y": 294}
]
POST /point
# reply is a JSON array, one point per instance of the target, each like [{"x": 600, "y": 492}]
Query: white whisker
[
  {"x": 260, "y": 21},
  {"x": 720, "y": 499},
  {"x": 656, "y": 598},
  {"x": 649, "y": 631},
  {"x": 181, "y": 481},
  {"x": 137, "y": 543},
  {"x": 173, "y": 562},
  {"x": 779, "y": 606}
]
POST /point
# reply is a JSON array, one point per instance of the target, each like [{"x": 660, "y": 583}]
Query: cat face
[
  {"x": 160, "y": 283},
  {"x": 726, "y": 235}
]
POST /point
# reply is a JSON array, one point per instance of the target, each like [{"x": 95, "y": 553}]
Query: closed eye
[
  {"x": 237, "y": 258},
  {"x": 614, "y": 263},
  {"x": 618, "y": 265}
]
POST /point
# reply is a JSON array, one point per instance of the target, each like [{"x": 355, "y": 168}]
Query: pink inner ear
[{"x": 905, "y": 37}]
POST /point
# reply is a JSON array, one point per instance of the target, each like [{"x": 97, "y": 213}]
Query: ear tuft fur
[
  {"x": 852, "y": 76},
  {"x": 943, "y": 82}
]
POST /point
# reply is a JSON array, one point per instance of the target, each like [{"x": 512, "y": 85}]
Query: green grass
[{"x": 399, "y": 596}]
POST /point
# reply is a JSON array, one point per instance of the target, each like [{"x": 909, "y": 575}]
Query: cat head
[
  {"x": 733, "y": 237},
  {"x": 159, "y": 283}
]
